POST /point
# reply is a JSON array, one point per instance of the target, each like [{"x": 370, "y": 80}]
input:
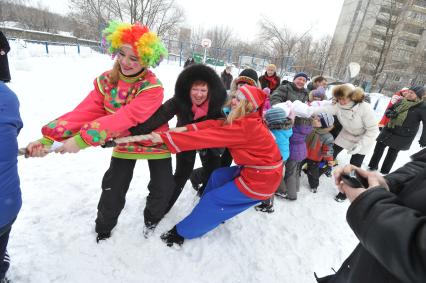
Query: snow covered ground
[{"x": 53, "y": 239}]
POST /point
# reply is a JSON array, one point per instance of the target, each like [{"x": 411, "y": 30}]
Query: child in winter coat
[
  {"x": 280, "y": 126},
  {"x": 230, "y": 190},
  {"x": 302, "y": 126},
  {"x": 122, "y": 97},
  {"x": 319, "y": 144}
]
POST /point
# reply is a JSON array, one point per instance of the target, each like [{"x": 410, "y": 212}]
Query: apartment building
[{"x": 387, "y": 38}]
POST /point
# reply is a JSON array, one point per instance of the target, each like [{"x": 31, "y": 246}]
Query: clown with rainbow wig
[{"x": 121, "y": 98}]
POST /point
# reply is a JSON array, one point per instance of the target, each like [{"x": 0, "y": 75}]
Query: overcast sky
[{"x": 243, "y": 16}]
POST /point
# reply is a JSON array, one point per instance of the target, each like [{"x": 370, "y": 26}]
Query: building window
[
  {"x": 413, "y": 29},
  {"x": 421, "y": 3},
  {"x": 407, "y": 42}
]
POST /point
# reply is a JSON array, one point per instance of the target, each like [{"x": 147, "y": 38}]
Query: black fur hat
[{"x": 217, "y": 91}]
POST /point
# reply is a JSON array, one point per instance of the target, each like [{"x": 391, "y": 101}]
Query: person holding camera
[
  {"x": 388, "y": 217},
  {"x": 398, "y": 134}
]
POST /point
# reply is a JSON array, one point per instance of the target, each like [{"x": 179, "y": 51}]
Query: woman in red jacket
[{"x": 230, "y": 190}]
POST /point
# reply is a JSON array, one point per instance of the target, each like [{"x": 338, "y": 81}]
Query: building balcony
[{"x": 415, "y": 22}]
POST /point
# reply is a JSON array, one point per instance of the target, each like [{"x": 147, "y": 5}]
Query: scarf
[
  {"x": 313, "y": 137},
  {"x": 402, "y": 109},
  {"x": 200, "y": 110},
  {"x": 272, "y": 81}
]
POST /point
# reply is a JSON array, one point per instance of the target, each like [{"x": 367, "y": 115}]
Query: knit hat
[
  {"x": 275, "y": 116},
  {"x": 144, "y": 42},
  {"x": 326, "y": 120},
  {"x": 300, "y": 74},
  {"x": 248, "y": 76},
  {"x": 419, "y": 90},
  {"x": 254, "y": 95},
  {"x": 319, "y": 92}
]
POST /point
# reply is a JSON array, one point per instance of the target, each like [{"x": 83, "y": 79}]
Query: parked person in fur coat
[
  {"x": 388, "y": 218},
  {"x": 199, "y": 95},
  {"x": 230, "y": 190},
  {"x": 122, "y": 97},
  {"x": 359, "y": 126},
  {"x": 398, "y": 134}
]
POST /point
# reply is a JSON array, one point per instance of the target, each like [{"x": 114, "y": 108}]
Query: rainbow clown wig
[{"x": 145, "y": 43}]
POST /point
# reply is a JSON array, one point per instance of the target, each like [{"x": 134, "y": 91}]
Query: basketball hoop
[{"x": 206, "y": 43}]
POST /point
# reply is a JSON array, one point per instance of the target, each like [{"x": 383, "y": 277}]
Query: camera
[{"x": 355, "y": 180}]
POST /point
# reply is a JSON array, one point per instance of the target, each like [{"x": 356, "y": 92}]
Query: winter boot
[
  {"x": 172, "y": 237},
  {"x": 265, "y": 207},
  {"x": 284, "y": 196},
  {"x": 340, "y": 197},
  {"x": 4, "y": 266},
  {"x": 148, "y": 229},
  {"x": 196, "y": 178},
  {"x": 102, "y": 236},
  {"x": 314, "y": 190}
]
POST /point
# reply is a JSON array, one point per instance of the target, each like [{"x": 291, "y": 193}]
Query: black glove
[
  {"x": 422, "y": 143},
  {"x": 390, "y": 113}
]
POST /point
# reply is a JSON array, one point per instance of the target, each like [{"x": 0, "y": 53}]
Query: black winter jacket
[
  {"x": 391, "y": 227},
  {"x": 402, "y": 136},
  {"x": 226, "y": 79},
  {"x": 4, "y": 63},
  {"x": 180, "y": 104}
]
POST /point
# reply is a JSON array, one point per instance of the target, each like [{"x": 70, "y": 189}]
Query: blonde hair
[
  {"x": 272, "y": 66},
  {"x": 243, "y": 108}
]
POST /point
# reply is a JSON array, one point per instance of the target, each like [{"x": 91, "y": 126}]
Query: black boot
[
  {"x": 265, "y": 207},
  {"x": 149, "y": 228},
  {"x": 102, "y": 236},
  {"x": 172, "y": 237},
  {"x": 196, "y": 178},
  {"x": 340, "y": 197}
]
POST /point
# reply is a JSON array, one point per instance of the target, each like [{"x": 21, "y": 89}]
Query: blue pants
[
  {"x": 4, "y": 257},
  {"x": 221, "y": 201}
]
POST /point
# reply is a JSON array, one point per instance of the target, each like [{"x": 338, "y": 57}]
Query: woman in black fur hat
[{"x": 199, "y": 95}]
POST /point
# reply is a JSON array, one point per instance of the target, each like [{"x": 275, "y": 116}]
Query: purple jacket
[{"x": 298, "y": 150}]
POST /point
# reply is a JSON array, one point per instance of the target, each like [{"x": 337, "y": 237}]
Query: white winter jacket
[{"x": 359, "y": 126}]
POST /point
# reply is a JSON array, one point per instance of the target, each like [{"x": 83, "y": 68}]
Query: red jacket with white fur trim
[{"x": 250, "y": 143}]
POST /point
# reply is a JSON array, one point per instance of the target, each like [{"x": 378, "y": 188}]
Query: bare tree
[
  {"x": 161, "y": 16},
  {"x": 281, "y": 41}
]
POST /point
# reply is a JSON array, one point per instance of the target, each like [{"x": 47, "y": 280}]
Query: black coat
[
  {"x": 402, "y": 136},
  {"x": 181, "y": 106},
  {"x": 391, "y": 227},
  {"x": 226, "y": 79},
  {"x": 4, "y": 63},
  {"x": 265, "y": 83}
]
